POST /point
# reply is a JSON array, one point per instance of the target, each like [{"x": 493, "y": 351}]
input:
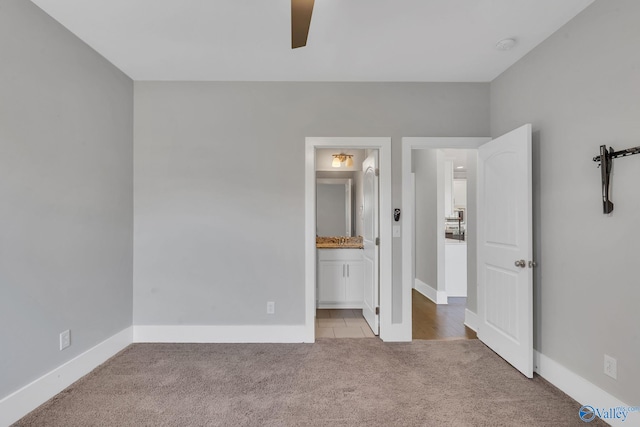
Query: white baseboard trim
[
  {"x": 396, "y": 332},
  {"x": 581, "y": 390},
  {"x": 439, "y": 297},
  {"x": 471, "y": 319},
  {"x": 221, "y": 333},
  {"x": 21, "y": 402}
]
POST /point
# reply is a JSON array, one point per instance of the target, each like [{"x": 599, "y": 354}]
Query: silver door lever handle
[{"x": 521, "y": 263}]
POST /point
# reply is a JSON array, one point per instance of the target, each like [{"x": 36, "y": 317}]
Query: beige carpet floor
[{"x": 334, "y": 382}]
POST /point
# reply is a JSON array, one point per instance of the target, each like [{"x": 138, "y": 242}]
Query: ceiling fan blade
[{"x": 301, "y": 11}]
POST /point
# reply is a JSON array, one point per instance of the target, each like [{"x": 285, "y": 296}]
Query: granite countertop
[{"x": 339, "y": 242}]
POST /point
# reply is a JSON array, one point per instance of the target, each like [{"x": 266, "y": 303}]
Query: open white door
[
  {"x": 370, "y": 236},
  {"x": 505, "y": 274}
]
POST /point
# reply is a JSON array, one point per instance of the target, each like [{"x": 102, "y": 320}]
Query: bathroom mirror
[{"x": 333, "y": 207}]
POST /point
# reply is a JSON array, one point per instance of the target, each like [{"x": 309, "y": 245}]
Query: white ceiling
[
  {"x": 349, "y": 40},
  {"x": 458, "y": 157}
]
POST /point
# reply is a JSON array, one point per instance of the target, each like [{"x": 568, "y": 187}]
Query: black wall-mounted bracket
[{"x": 606, "y": 162}]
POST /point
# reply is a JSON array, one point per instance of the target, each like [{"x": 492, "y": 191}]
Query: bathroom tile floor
[{"x": 340, "y": 323}]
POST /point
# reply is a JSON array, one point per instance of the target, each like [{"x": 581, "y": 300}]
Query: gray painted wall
[
  {"x": 66, "y": 141},
  {"x": 425, "y": 167},
  {"x": 219, "y": 225},
  {"x": 580, "y": 89},
  {"x": 471, "y": 233}
]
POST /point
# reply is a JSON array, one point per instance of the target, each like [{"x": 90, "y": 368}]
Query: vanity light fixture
[{"x": 339, "y": 159}]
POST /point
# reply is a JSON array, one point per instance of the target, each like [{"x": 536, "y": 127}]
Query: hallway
[{"x": 439, "y": 322}]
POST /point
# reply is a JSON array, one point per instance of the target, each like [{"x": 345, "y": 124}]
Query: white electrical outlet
[
  {"x": 271, "y": 307},
  {"x": 65, "y": 339},
  {"x": 610, "y": 366}
]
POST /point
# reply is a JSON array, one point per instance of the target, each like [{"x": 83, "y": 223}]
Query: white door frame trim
[
  {"x": 408, "y": 203},
  {"x": 383, "y": 145}
]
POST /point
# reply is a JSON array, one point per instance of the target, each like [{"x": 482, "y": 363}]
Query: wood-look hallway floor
[{"x": 437, "y": 322}]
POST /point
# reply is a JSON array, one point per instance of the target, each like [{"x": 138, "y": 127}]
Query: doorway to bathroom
[
  {"x": 348, "y": 272},
  {"x": 346, "y": 228}
]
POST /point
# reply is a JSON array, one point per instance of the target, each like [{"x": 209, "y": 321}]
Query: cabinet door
[
  {"x": 331, "y": 277},
  {"x": 448, "y": 189},
  {"x": 460, "y": 193},
  {"x": 355, "y": 282}
]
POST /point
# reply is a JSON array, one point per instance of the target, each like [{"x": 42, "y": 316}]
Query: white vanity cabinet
[{"x": 340, "y": 281}]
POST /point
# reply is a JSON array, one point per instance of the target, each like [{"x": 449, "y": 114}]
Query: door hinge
[
  {"x": 377, "y": 311},
  {"x": 377, "y": 241},
  {"x": 377, "y": 172}
]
